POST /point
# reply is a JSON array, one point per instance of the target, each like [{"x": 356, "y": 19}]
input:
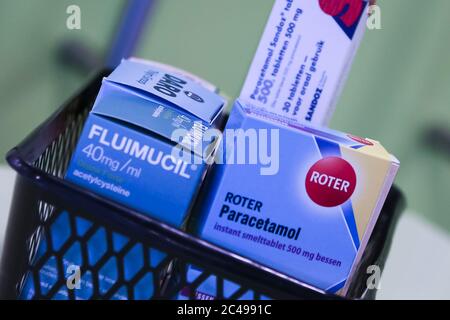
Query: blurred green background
[{"x": 399, "y": 85}]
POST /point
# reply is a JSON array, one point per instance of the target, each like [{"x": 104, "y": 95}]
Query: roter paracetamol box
[
  {"x": 127, "y": 152},
  {"x": 304, "y": 56},
  {"x": 312, "y": 214}
]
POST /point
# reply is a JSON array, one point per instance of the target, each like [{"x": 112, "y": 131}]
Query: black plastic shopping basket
[{"x": 42, "y": 198}]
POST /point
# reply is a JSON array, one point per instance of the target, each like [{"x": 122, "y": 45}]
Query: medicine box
[
  {"x": 304, "y": 57},
  {"x": 302, "y": 200},
  {"x": 133, "y": 145}
]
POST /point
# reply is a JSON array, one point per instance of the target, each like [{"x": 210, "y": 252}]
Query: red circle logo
[
  {"x": 360, "y": 140},
  {"x": 330, "y": 182}
]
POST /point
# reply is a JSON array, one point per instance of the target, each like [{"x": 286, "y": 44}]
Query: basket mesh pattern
[{"x": 77, "y": 258}]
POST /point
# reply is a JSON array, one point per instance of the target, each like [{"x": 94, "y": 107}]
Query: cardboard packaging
[
  {"x": 310, "y": 210},
  {"x": 127, "y": 149},
  {"x": 304, "y": 57}
]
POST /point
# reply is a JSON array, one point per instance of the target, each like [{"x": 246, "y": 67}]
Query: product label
[
  {"x": 123, "y": 164},
  {"x": 302, "y": 57},
  {"x": 186, "y": 95},
  {"x": 330, "y": 182},
  {"x": 102, "y": 138}
]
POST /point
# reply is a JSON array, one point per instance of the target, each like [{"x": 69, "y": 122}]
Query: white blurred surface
[
  {"x": 419, "y": 262},
  {"x": 7, "y": 177},
  {"x": 417, "y": 268}
]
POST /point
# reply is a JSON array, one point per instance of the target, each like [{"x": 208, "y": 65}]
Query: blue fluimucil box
[{"x": 127, "y": 152}]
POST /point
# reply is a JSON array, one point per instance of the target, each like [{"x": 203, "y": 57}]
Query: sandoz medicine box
[
  {"x": 299, "y": 199},
  {"x": 130, "y": 147},
  {"x": 304, "y": 56}
]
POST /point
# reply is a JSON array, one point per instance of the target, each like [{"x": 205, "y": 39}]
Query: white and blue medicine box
[
  {"x": 128, "y": 150},
  {"x": 302, "y": 200}
]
